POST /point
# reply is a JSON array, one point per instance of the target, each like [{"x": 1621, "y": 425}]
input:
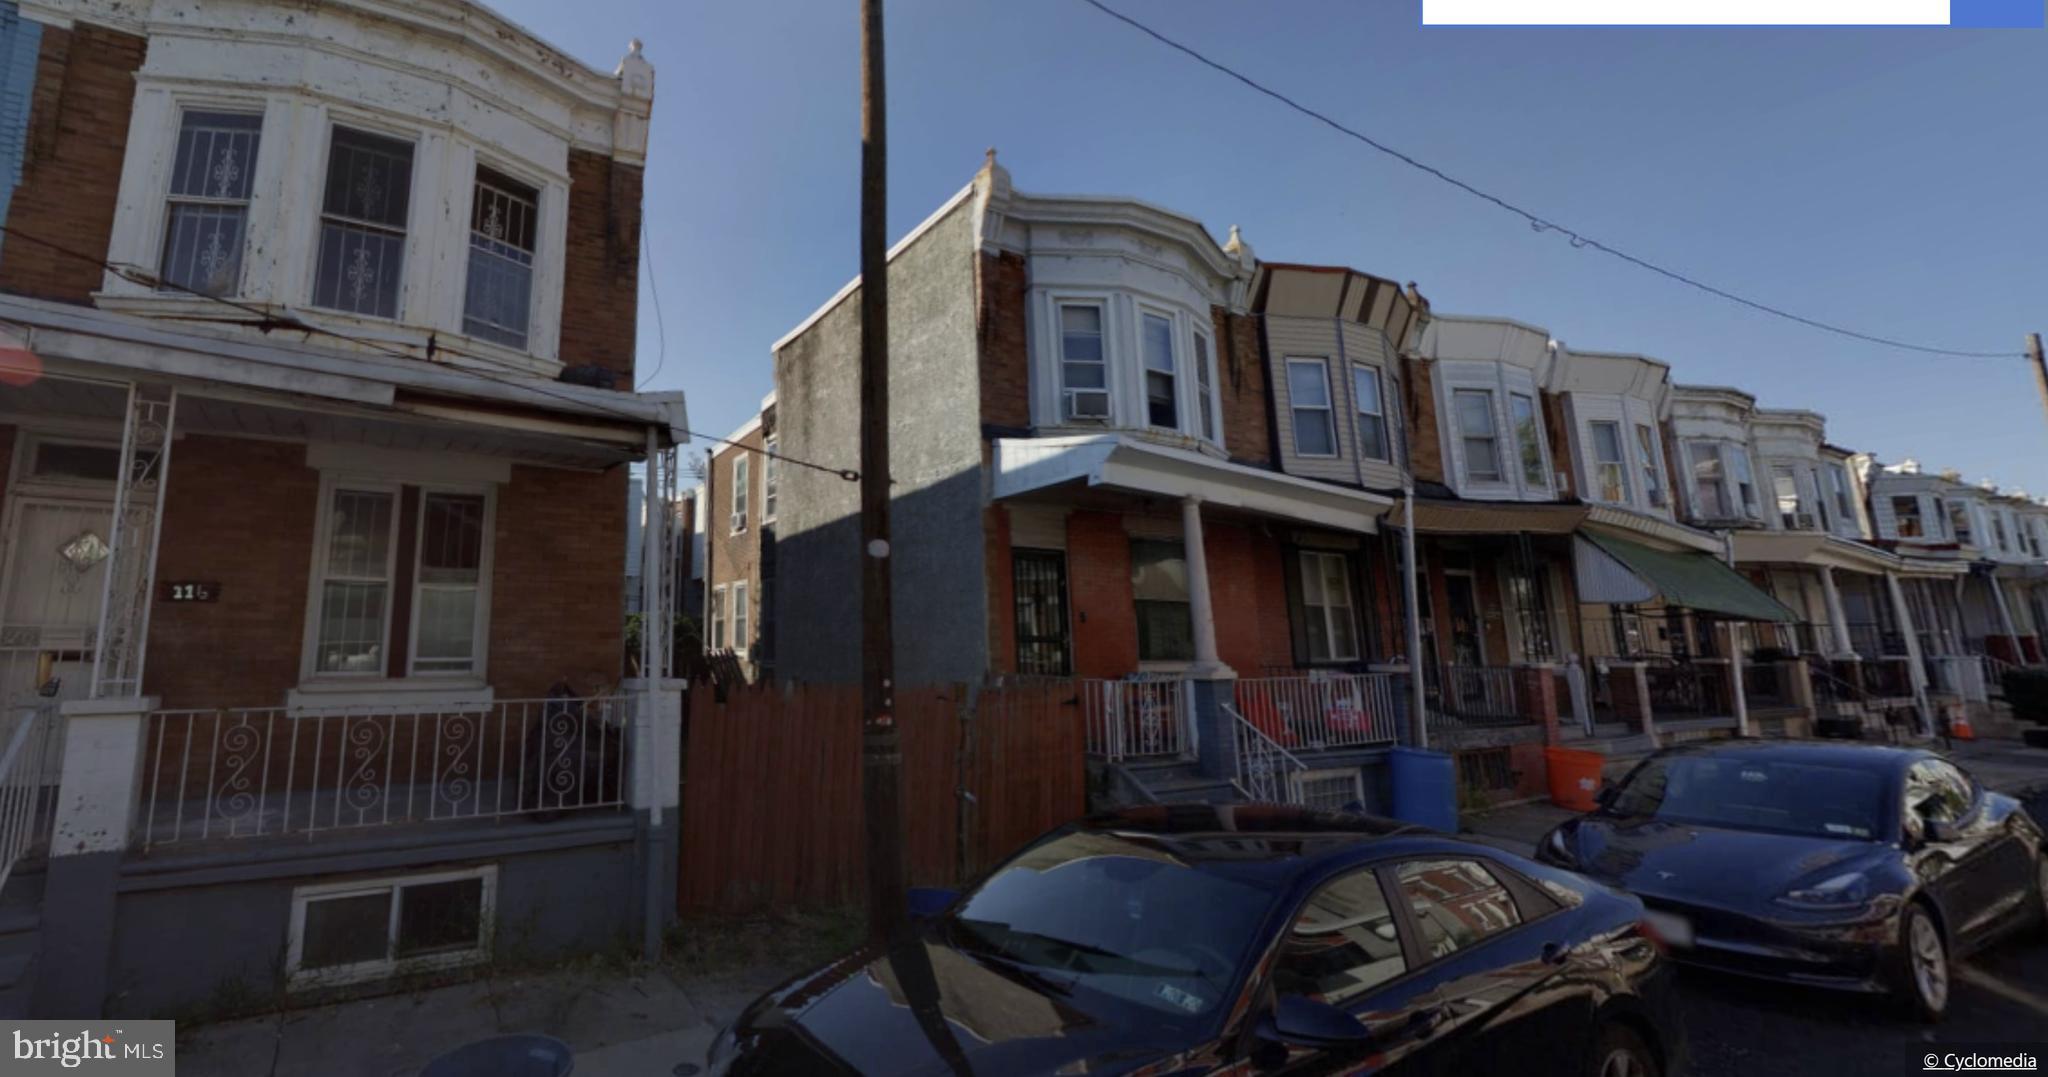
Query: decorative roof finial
[
  {"x": 989, "y": 158},
  {"x": 633, "y": 47}
]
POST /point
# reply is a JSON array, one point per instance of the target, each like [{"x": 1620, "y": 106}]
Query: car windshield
[
  {"x": 1114, "y": 916},
  {"x": 1756, "y": 794}
]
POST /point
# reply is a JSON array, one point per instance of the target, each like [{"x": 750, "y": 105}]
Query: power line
[
  {"x": 269, "y": 320},
  {"x": 653, "y": 292},
  {"x": 1537, "y": 222}
]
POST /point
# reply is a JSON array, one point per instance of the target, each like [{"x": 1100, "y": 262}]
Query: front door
[
  {"x": 56, "y": 559},
  {"x": 1468, "y": 636},
  {"x": 1040, "y": 581}
]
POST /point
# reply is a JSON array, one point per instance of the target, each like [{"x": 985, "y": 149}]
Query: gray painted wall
[
  {"x": 184, "y": 949},
  {"x": 941, "y": 604}
]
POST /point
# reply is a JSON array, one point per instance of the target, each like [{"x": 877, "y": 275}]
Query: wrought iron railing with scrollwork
[
  {"x": 272, "y": 772},
  {"x": 1265, "y": 770}
]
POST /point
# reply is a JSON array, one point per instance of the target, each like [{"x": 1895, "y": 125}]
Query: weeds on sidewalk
[{"x": 787, "y": 939}]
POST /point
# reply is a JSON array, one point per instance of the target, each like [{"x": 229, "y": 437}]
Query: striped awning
[{"x": 1614, "y": 570}]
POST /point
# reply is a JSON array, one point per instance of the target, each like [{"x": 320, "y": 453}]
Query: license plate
[{"x": 1674, "y": 930}]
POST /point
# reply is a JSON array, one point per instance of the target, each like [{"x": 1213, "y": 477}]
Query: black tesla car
[
  {"x": 1239, "y": 939},
  {"x": 1860, "y": 867}
]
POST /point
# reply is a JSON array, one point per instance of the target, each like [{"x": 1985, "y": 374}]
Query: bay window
[
  {"x": 1159, "y": 587},
  {"x": 1653, "y": 474},
  {"x": 1528, "y": 439},
  {"x": 503, "y": 225},
  {"x": 1162, "y": 374},
  {"x": 1084, "y": 365},
  {"x": 1329, "y": 623},
  {"x": 1792, "y": 513},
  {"x": 1308, "y": 402},
  {"x": 1205, "y": 388},
  {"x": 1709, "y": 481},
  {"x": 1838, "y": 489},
  {"x": 363, "y": 223},
  {"x": 208, "y": 209},
  {"x": 1610, "y": 466},
  {"x": 1959, "y": 523},
  {"x": 1477, "y": 435},
  {"x": 1745, "y": 481},
  {"x": 1372, "y": 413}
]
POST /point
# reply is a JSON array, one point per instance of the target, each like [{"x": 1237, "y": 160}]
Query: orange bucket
[{"x": 1574, "y": 777}]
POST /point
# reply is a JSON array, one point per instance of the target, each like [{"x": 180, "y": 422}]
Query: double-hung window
[
  {"x": 503, "y": 221},
  {"x": 1159, "y": 586},
  {"x": 717, "y": 618},
  {"x": 1906, "y": 513},
  {"x": 1528, "y": 440},
  {"x": 1205, "y": 386},
  {"x": 1477, "y": 434},
  {"x": 208, "y": 212},
  {"x": 1653, "y": 475},
  {"x": 1709, "y": 482},
  {"x": 1745, "y": 482},
  {"x": 1162, "y": 373},
  {"x": 1610, "y": 466},
  {"x": 448, "y": 582},
  {"x": 1959, "y": 523},
  {"x": 362, "y": 224},
  {"x": 739, "y": 615},
  {"x": 1998, "y": 530},
  {"x": 1329, "y": 622},
  {"x": 1308, "y": 402},
  {"x": 1792, "y": 514},
  {"x": 1838, "y": 488},
  {"x": 1372, "y": 413},
  {"x": 768, "y": 480},
  {"x": 1084, "y": 364},
  {"x": 741, "y": 479},
  {"x": 369, "y": 564}
]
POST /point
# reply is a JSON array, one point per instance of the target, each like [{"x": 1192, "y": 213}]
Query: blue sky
[{"x": 1890, "y": 180}]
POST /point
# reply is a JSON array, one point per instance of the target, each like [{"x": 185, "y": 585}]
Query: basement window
[{"x": 344, "y": 933}]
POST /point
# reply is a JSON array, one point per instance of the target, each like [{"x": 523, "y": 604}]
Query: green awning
[{"x": 1691, "y": 580}]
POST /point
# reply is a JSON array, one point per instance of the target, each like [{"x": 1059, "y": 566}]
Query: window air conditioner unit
[
  {"x": 739, "y": 521},
  {"x": 1087, "y": 403}
]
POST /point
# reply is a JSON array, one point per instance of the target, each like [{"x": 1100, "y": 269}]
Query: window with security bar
[
  {"x": 207, "y": 216},
  {"x": 503, "y": 221},
  {"x": 362, "y": 224}
]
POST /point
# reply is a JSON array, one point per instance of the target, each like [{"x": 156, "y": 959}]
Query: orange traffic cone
[{"x": 1959, "y": 728}]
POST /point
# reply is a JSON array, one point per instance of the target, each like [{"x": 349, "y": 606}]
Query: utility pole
[
  {"x": 2040, "y": 366},
  {"x": 881, "y": 755}
]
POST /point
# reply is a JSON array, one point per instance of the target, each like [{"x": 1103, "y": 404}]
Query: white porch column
[
  {"x": 657, "y": 747},
  {"x": 1839, "y": 620},
  {"x": 99, "y": 785},
  {"x": 1918, "y": 670},
  {"x": 1207, "y": 664},
  {"x": 131, "y": 570}
]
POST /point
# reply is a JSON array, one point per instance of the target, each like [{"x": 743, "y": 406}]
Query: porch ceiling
[
  {"x": 66, "y": 398},
  {"x": 249, "y": 418},
  {"x": 1025, "y": 466}
]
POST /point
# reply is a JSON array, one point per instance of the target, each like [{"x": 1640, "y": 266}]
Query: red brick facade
[
  {"x": 558, "y": 585},
  {"x": 1425, "y": 451},
  {"x": 71, "y": 172},
  {"x": 1001, "y": 283},
  {"x": 1105, "y": 616},
  {"x": 1247, "y": 413},
  {"x": 1248, "y": 589},
  {"x": 731, "y": 556},
  {"x": 601, "y": 265}
]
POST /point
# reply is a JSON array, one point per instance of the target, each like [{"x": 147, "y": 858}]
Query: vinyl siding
[{"x": 1290, "y": 337}]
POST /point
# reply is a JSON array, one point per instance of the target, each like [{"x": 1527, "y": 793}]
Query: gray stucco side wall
[
  {"x": 191, "y": 941},
  {"x": 941, "y": 603}
]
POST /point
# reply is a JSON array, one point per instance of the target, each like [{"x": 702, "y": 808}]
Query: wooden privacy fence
[{"x": 772, "y": 787}]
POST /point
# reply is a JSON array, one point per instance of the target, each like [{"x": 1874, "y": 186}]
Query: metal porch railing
[
  {"x": 1137, "y": 717},
  {"x": 23, "y": 792},
  {"x": 1323, "y": 710},
  {"x": 1265, "y": 770},
  {"x": 271, "y": 772}
]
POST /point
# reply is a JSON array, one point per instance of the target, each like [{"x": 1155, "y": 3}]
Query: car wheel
[
  {"x": 1619, "y": 1052},
  {"x": 1923, "y": 982}
]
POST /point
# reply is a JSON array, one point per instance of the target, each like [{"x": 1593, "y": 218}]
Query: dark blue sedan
[
  {"x": 1240, "y": 939},
  {"x": 1859, "y": 867}
]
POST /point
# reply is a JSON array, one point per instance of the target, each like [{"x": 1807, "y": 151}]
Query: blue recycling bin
[
  {"x": 505, "y": 1056},
  {"x": 1425, "y": 788}
]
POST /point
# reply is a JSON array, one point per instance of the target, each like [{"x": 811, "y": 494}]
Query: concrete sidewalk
[{"x": 618, "y": 1021}]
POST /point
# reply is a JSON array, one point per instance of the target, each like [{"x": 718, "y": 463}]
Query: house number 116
[{"x": 190, "y": 591}]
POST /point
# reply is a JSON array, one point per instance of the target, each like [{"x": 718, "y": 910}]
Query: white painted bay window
[
  {"x": 1162, "y": 373},
  {"x": 363, "y": 223},
  {"x": 1309, "y": 407},
  {"x": 504, "y": 227},
  {"x": 1745, "y": 482},
  {"x": 1372, "y": 413},
  {"x": 1528, "y": 440},
  {"x": 1610, "y": 464},
  {"x": 1710, "y": 496},
  {"x": 1084, "y": 364},
  {"x": 1205, "y": 389},
  {"x": 1477, "y": 434},
  {"x": 1838, "y": 492},
  {"x": 1959, "y": 524},
  {"x": 1794, "y": 513},
  {"x": 1328, "y": 619},
  {"x": 207, "y": 215}
]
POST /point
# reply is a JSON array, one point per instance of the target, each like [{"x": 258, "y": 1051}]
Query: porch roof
[
  {"x": 1115, "y": 461},
  {"x": 1821, "y": 550},
  {"x": 1615, "y": 569},
  {"x": 1435, "y": 516},
  {"x": 38, "y": 335}
]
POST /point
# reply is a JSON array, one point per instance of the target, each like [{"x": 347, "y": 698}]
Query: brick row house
[{"x": 316, "y": 418}]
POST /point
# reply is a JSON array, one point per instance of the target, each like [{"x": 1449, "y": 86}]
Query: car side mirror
[
  {"x": 1300, "y": 1021},
  {"x": 928, "y": 901}
]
